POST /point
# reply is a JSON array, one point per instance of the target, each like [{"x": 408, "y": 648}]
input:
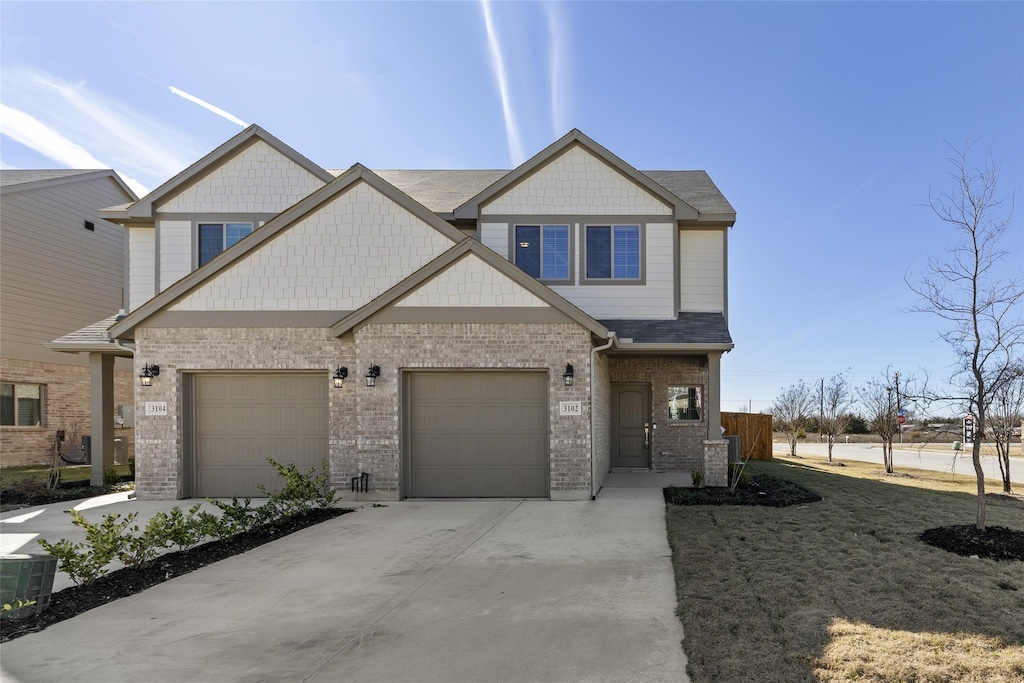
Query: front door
[{"x": 631, "y": 421}]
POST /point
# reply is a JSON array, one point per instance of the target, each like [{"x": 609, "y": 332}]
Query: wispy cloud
[
  {"x": 39, "y": 137},
  {"x": 558, "y": 62},
  {"x": 209, "y": 107},
  {"x": 515, "y": 144},
  {"x": 97, "y": 127}
]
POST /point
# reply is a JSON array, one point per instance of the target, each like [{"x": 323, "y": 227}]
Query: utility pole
[
  {"x": 898, "y": 408},
  {"x": 821, "y": 410}
]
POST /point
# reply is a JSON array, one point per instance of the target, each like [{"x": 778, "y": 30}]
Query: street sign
[
  {"x": 968, "y": 429},
  {"x": 901, "y": 419}
]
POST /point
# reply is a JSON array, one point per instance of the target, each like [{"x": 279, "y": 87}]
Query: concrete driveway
[{"x": 414, "y": 591}]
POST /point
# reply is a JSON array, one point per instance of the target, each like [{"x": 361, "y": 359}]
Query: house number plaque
[
  {"x": 156, "y": 408},
  {"x": 570, "y": 408}
]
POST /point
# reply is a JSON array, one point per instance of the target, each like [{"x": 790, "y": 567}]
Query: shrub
[
  {"x": 698, "y": 478},
  {"x": 300, "y": 493},
  {"x": 739, "y": 477},
  {"x": 110, "y": 475},
  {"x": 236, "y": 516}
]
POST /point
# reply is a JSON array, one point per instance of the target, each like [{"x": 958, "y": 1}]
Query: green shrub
[
  {"x": 301, "y": 492},
  {"x": 236, "y": 516},
  {"x": 698, "y": 478},
  {"x": 110, "y": 475},
  {"x": 739, "y": 477}
]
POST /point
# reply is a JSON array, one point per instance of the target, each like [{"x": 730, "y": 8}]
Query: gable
[
  {"x": 576, "y": 182},
  {"x": 470, "y": 282},
  {"x": 338, "y": 257},
  {"x": 257, "y": 179}
]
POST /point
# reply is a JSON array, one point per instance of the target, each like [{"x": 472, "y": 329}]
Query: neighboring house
[
  {"x": 61, "y": 267},
  {"x": 450, "y": 333}
]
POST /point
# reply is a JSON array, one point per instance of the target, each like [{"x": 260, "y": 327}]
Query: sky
[{"x": 827, "y": 125}]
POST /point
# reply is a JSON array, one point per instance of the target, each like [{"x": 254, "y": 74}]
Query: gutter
[{"x": 593, "y": 428}]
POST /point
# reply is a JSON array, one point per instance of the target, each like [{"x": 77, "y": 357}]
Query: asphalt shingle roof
[
  {"x": 90, "y": 335},
  {"x": 689, "y": 328},
  {"x": 19, "y": 177},
  {"x": 442, "y": 191}
]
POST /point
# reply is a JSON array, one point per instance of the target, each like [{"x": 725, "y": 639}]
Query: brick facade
[
  {"x": 365, "y": 423},
  {"x": 66, "y": 400}
]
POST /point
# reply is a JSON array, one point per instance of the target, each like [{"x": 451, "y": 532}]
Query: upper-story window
[
  {"x": 216, "y": 237},
  {"x": 543, "y": 251},
  {"x": 613, "y": 252},
  {"x": 21, "y": 405}
]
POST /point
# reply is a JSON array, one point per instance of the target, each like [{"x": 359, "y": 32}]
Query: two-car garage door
[
  {"x": 467, "y": 433},
  {"x": 477, "y": 434},
  {"x": 242, "y": 419}
]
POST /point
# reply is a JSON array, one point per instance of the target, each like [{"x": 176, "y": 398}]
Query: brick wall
[
  {"x": 676, "y": 446},
  {"x": 67, "y": 400},
  {"x": 473, "y": 345}
]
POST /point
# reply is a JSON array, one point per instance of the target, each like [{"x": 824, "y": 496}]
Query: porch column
[
  {"x": 101, "y": 369},
  {"x": 714, "y": 397}
]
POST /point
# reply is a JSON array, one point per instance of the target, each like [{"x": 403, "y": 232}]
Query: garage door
[
  {"x": 242, "y": 419},
  {"x": 477, "y": 434}
]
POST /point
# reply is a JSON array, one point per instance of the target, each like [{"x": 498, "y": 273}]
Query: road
[{"x": 936, "y": 457}]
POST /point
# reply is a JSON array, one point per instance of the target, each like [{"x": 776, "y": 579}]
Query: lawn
[{"x": 842, "y": 589}]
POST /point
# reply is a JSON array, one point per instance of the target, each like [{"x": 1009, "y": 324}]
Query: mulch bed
[
  {"x": 73, "y": 601},
  {"x": 763, "y": 490},
  {"x": 28, "y": 494},
  {"x": 995, "y": 542}
]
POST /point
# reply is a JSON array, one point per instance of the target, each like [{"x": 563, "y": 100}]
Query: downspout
[{"x": 593, "y": 428}]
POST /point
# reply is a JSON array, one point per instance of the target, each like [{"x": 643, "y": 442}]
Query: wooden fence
[{"x": 755, "y": 432}]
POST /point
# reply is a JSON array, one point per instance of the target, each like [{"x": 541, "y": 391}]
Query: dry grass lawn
[{"x": 843, "y": 590}]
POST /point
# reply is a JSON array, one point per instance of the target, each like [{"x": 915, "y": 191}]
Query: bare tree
[
  {"x": 835, "y": 399},
  {"x": 1005, "y": 415},
  {"x": 979, "y": 309},
  {"x": 880, "y": 400},
  {"x": 791, "y": 412}
]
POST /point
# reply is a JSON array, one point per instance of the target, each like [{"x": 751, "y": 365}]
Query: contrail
[
  {"x": 515, "y": 145},
  {"x": 209, "y": 107}
]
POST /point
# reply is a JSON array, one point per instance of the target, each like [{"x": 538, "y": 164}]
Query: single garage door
[
  {"x": 242, "y": 419},
  {"x": 477, "y": 434}
]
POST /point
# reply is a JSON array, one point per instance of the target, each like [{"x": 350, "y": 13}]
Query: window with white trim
[
  {"x": 613, "y": 252},
  {"x": 543, "y": 251},
  {"x": 21, "y": 405},
  {"x": 685, "y": 403},
  {"x": 216, "y": 237}
]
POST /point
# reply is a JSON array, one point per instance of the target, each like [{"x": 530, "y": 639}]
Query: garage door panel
[
  {"x": 476, "y": 434},
  {"x": 241, "y": 420}
]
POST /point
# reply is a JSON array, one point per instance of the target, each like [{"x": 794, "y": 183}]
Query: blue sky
[{"x": 825, "y": 124}]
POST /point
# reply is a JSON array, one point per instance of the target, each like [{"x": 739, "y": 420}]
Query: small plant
[
  {"x": 110, "y": 475},
  {"x": 185, "y": 530},
  {"x": 301, "y": 492},
  {"x": 236, "y": 516},
  {"x": 698, "y": 479},
  {"x": 739, "y": 477},
  {"x": 16, "y": 605}
]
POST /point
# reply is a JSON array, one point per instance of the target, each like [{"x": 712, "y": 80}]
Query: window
[
  {"x": 685, "y": 403},
  {"x": 21, "y": 405},
  {"x": 613, "y": 252},
  {"x": 543, "y": 251},
  {"x": 216, "y": 237}
]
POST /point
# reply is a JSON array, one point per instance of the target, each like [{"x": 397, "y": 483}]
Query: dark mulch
[
  {"x": 29, "y": 493},
  {"x": 995, "y": 542},
  {"x": 763, "y": 490},
  {"x": 73, "y": 601}
]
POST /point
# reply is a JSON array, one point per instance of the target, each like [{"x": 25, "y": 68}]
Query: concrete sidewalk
[{"x": 415, "y": 591}]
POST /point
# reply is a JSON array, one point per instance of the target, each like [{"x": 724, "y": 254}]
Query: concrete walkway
[{"x": 414, "y": 591}]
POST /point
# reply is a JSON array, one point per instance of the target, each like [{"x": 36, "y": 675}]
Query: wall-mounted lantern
[
  {"x": 147, "y": 374},
  {"x": 568, "y": 375},
  {"x": 339, "y": 377},
  {"x": 371, "y": 375}
]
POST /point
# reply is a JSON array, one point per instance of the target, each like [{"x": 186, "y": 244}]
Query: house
[
  {"x": 61, "y": 267},
  {"x": 462, "y": 333}
]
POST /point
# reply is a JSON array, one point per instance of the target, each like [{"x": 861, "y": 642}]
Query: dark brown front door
[{"x": 631, "y": 418}]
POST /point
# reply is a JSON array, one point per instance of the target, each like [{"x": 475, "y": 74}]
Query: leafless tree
[
  {"x": 879, "y": 399},
  {"x": 980, "y": 311},
  {"x": 1005, "y": 415},
  {"x": 791, "y": 412},
  {"x": 835, "y": 398}
]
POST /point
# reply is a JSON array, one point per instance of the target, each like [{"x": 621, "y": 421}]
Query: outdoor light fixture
[
  {"x": 148, "y": 373},
  {"x": 568, "y": 375},
  {"x": 339, "y": 377},
  {"x": 371, "y": 375}
]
